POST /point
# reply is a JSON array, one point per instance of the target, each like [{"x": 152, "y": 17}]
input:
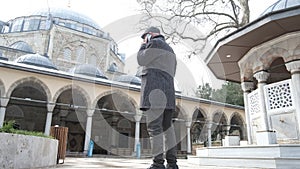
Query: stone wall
[{"x": 20, "y": 151}]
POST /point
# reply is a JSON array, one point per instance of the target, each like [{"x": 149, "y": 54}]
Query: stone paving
[{"x": 119, "y": 163}]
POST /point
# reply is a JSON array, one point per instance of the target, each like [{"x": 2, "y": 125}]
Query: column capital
[
  {"x": 261, "y": 76},
  {"x": 50, "y": 106},
  {"x": 209, "y": 124},
  {"x": 3, "y": 102},
  {"x": 247, "y": 86},
  {"x": 293, "y": 66},
  {"x": 188, "y": 124},
  {"x": 90, "y": 112},
  {"x": 138, "y": 117}
]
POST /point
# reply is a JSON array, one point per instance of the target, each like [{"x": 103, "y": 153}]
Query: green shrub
[{"x": 9, "y": 127}]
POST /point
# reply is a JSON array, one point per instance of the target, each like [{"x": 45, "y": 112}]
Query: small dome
[
  {"x": 128, "y": 79},
  {"x": 36, "y": 60},
  {"x": 67, "y": 15},
  {"x": 280, "y": 5},
  {"x": 20, "y": 45},
  {"x": 88, "y": 70}
]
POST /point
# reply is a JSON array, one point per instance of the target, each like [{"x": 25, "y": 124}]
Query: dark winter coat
[{"x": 158, "y": 62}]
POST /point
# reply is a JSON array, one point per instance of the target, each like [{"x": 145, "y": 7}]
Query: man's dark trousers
[{"x": 160, "y": 126}]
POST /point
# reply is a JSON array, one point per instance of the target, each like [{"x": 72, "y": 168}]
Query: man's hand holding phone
[{"x": 147, "y": 38}]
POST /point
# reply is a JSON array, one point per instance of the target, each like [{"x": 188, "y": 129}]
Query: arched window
[
  {"x": 80, "y": 54},
  {"x": 67, "y": 54},
  {"x": 31, "y": 24},
  {"x": 17, "y": 25}
]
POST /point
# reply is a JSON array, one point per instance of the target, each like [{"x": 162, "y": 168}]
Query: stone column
[
  {"x": 137, "y": 119},
  {"x": 50, "y": 108},
  {"x": 247, "y": 87},
  {"x": 264, "y": 136},
  {"x": 88, "y": 129},
  {"x": 262, "y": 77},
  {"x": 3, "y": 104},
  {"x": 294, "y": 68},
  {"x": 188, "y": 136},
  {"x": 209, "y": 125}
]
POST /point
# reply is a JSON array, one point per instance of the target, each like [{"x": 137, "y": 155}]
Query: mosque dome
[
  {"x": 128, "y": 79},
  {"x": 44, "y": 18},
  {"x": 20, "y": 45},
  {"x": 88, "y": 70},
  {"x": 280, "y": 5},
  {"x": 36, "y": 60},
  {"x": 67, "y": 14}
]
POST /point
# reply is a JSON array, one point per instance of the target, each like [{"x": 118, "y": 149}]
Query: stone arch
[
  {"x": 31, "y": 96},
  {"x": 269, "y": 56},
  {"x": 33, "y": 81},
  {"x": 238, "y": 115},
  {"x": 78, "y": 88},
  {"x": 114, "y": 110},
  {"x": 202, "y": 110},
  {"x": 237, "y": 125},
  {"x": 219, "y": 125},
  {"x": 278, "y": 71},
  {"x": 218, "y": 116},
  {"x": 71, "y": 102},
  {"x": 116, "y": 91},
  {"x": 199, "y": 126}
]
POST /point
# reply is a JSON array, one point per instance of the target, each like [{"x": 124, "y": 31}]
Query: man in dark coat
[{"x": 158, "y": 62}]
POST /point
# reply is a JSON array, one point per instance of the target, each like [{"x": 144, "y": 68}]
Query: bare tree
[{"x": 214, "y": 18}]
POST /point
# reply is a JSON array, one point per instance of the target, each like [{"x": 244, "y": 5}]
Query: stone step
[
  {"x": 270, "y": 156},
  {"x": 246, "y": 163}
]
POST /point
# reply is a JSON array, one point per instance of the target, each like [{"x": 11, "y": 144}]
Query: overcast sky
[
  {"x": 105, "y": 12},
  {"x": 102, "y": 11}
]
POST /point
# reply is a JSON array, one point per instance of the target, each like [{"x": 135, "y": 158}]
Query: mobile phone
[{"x": 148, "y": 36}]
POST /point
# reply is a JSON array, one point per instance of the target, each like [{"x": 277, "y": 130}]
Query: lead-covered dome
[
  {"x": 67, "y": 14},
  {"x": 44, "y": 19},
  {"x": 88, "y": 70},
  {"x": 20, "y": 45},
  {"x": 36, "y": 60},
  {"x": 280, "y": 5},
  {"x": 128, "y": 79}
]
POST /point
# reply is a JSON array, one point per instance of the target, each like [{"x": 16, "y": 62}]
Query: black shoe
[
  {"x": 157, "y": 166},
  {"x": 173, "y": 166}
]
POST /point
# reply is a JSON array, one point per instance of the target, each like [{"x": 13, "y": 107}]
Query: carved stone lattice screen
[
  {"x": 253, "y": 102},
  {"x": 278, "y": 97}
]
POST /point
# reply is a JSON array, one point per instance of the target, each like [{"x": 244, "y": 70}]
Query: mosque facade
[{"x": 58, "y": 67}]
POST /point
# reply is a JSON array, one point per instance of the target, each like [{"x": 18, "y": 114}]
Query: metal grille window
[{"x": 279, "y": 96}]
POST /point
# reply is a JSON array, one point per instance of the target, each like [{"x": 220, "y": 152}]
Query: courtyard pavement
[{"x": 125, "y": 163}]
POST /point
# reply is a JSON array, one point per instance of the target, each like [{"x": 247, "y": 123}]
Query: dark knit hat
[{"x": 150, "y": 29}]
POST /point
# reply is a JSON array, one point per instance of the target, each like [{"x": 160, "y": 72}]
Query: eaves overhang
[{"x": 223, "y": 58}]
